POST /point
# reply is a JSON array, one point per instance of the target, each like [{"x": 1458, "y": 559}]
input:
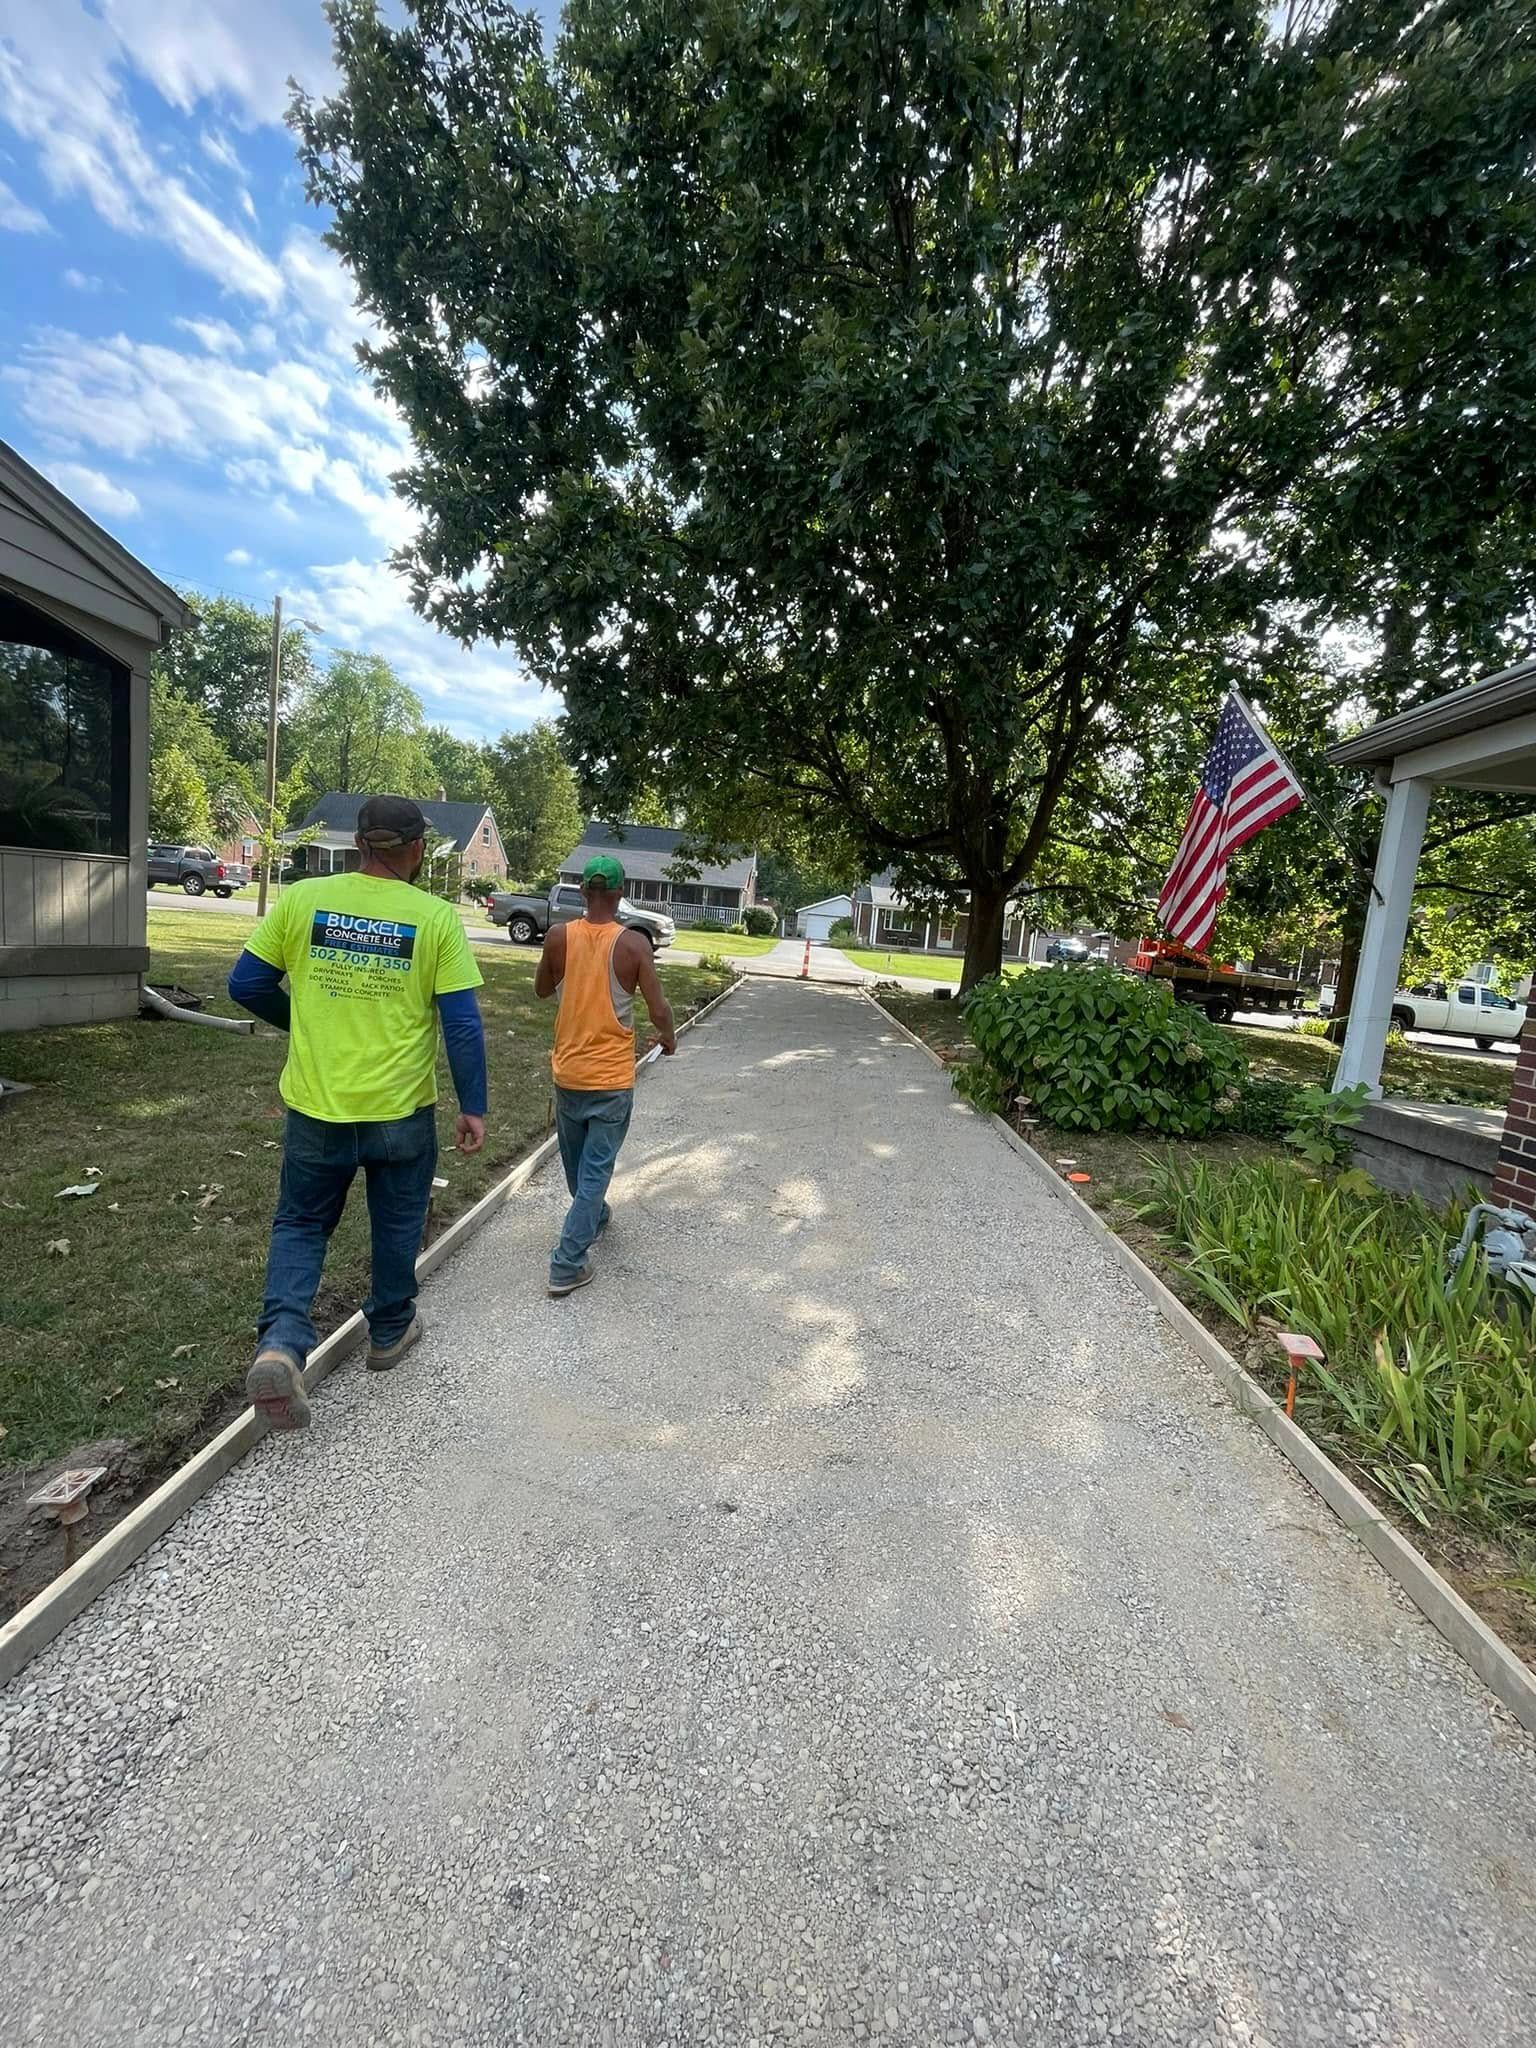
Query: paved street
[{"x": 849, "y": 1620}]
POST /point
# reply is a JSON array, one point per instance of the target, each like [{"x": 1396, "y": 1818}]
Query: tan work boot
[
  {"x": 274, "y": 1388},
  {"x": 383, "y": 1357}
]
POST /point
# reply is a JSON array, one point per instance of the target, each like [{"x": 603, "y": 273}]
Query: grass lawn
[
  {"x": 919, "y": 966},
  {"x": 1409, "y": 1071},
  {"x": 143, "y": 1329},
  {"x": 730, "y": 945}
]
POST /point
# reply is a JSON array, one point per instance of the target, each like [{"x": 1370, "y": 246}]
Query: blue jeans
[
  {"x": 591, "y": 1124},
  {"x": 319, "y": 1163}
]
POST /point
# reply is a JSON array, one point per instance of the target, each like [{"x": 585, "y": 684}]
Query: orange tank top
[{"x": 595, "y": 1028}]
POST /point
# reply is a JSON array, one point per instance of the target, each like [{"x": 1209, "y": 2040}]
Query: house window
[
  {"x": 897, "y": 924},
  {"x": 485, "y": 835},
  {"x": 247, "y": 850},
  {"x": 63, "y": 738}
]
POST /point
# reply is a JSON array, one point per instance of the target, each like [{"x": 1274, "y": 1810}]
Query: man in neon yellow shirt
[{"x": 371, "y": 963}]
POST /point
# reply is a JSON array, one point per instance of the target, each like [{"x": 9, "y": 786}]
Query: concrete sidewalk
[{"x": 849, "y": 1620}]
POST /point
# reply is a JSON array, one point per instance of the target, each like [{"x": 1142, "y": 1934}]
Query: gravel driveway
[{"x": 850, "y": 1620}]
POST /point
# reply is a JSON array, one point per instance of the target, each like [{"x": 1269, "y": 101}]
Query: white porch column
[{"x": 1386, "y": 926}]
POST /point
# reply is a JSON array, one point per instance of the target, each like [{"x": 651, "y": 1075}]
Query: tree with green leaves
[
  {"x": 179, "y": 726},
  {"x": 268, "y": 823},
  {"x": 359, "y": 728},
  {"x": 534, "y": 796},
  {"x": 463, "y": 768},
  {"x": 869, "y": 405},
  {"x": 222, "y": 664},
  {"x": 178, "y": 796}
]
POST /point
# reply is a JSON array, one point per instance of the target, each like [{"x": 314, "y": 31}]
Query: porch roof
[{"x": 1482, "y": 736}]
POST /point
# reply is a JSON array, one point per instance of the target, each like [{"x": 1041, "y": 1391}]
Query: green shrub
[
  {"x": 1428, "y": 1379},
  {"x": 843, "y": 932},
  {"x": 705, "y": 924},
  {"x": 760, "y": 922},
  {"x": 1320, "y": 1129},
  {"x": 1096, "y": 1050},
  {"x": 716, "y": 963},
  {"x": 1313, "y": 1027},
  {"x": 1265, "y": 1108},
  {"x": 737, "y": 930}
]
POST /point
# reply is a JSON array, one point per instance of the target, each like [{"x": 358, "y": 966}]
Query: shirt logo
[{"x": 363, "y": 938}]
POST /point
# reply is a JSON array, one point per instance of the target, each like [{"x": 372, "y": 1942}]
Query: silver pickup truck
[
  {"x": 195, "y": 869},
  {"x": 529, "y": 917}
]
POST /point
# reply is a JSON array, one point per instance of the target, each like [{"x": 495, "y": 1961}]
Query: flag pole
[{"x": 1311, "y": 803}]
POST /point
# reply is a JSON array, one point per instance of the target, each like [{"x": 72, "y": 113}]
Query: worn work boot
[
  {"x": 275, "y": 1390},
  {"x": 382, "y": 1357},
  {"x": 582, "y": 1279}
]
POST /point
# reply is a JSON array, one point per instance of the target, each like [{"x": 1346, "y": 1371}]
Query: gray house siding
[{"x": 73, "y": 926}]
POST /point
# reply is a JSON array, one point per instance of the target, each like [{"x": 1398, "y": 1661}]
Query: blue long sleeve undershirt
[
  {"x": 257, "y": 986},
  {"x": 464, "y": 1040}
]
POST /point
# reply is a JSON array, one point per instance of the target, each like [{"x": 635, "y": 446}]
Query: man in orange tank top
[{"x": 595, "y": 965}]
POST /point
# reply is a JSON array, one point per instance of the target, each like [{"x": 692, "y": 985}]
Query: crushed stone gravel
[{"x": 851, "y": 1620}]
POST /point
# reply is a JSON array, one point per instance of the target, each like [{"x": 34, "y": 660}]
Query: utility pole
[{"x": 273, "y": 687}]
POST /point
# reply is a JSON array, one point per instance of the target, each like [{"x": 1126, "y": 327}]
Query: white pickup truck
[{"x": 1469, "y": 1010}]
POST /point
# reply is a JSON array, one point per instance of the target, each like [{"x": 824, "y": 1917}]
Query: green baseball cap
[{"x": 602, "y": 867}]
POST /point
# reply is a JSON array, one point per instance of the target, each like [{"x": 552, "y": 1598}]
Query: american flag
[{"x": 1247, "y": 784}]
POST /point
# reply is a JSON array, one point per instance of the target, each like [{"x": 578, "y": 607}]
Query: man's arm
[
  {"x": 464, "y": 1041},
  {"x": 551, "y": 963},
  {"x": 649, "y": 984},
  {"x": 256, "y": 985}
]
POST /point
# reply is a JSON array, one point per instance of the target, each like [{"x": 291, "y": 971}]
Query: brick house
[{"x": 470, "y": 829}]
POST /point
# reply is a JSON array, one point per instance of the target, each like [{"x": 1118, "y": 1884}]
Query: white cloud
[
  {"x": 82, "y": 281},
  {"x": 480, "y": 691},
  {"x": 217, "y": 336},
  {"x": 240, "y": 558},
  {"x": 20, "y": 218},
  {"x": 222, "y": 50},
  {"x": 130, "y": 397},
  {"x": 96, "y": 492},
  {"x": 222, "y": 151},
  {"x": 61, "y": 89},
  {"x": 324, "y": 290}
]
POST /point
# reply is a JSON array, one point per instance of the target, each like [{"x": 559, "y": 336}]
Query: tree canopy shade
[{"x": 870, "y": 404}]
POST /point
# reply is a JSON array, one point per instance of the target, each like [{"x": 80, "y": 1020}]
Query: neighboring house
[
  {"x": 815, "y": 920},
  {"x": 720, "y": 893},
  {"x": 79, "y": 621},
  {"x": 470, "y": 828},
  {"x": 242, "y": 846},
  {"x": 884, "y": 921}
]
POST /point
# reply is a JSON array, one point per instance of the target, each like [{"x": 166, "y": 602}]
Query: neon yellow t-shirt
[{"x": 365, "y": 958}]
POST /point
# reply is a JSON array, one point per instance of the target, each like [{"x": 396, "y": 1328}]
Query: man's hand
[
  {"x": 667, "y": 1040},
  {"x": 469, "y": 1134}
]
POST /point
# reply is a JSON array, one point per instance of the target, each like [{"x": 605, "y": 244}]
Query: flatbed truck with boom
[{"x": 1218, "y": 990}]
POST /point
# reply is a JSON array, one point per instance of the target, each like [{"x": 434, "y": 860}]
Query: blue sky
[{"x": 175, "y": 338}]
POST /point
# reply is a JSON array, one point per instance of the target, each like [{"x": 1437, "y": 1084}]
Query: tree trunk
[
  {"x": 984, "y": 934},
  {"x": 1352, "y": 930}
]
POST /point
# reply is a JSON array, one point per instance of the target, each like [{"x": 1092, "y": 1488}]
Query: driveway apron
[{"x": 851, "y": 1619}]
